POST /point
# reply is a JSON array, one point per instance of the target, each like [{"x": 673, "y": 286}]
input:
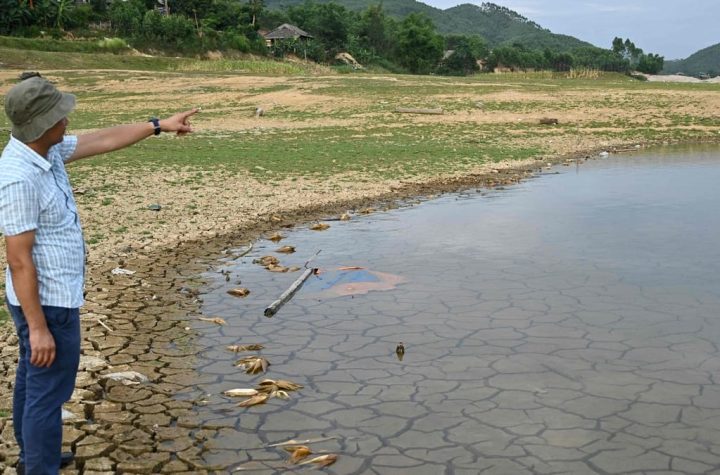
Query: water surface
[{"x": 568, "y": 324}]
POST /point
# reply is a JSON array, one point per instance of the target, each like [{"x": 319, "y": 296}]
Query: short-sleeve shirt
[{"x": 35, "y": 194}]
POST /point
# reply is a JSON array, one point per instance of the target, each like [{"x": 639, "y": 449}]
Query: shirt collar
[{"x": 30, "y": 154}]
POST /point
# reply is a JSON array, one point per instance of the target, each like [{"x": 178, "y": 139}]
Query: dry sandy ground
[{"x": 681, "y": 78}]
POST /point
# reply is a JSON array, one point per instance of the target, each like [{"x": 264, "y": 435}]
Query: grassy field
[{"x": 325, "y": 136}]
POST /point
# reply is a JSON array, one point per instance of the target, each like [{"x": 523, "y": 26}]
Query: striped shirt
[{"x": 35, "y": 194}]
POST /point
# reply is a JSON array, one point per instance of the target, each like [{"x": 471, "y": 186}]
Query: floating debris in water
[
  {"x": 239, "y": 292},
  {"x": 241, "y": 348},
  {"x": 215, "y": 320}
]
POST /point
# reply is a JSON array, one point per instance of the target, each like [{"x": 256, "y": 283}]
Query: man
[{"x": 46, "y": 256}]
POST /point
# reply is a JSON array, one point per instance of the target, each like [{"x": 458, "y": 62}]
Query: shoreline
[{"x": 149, "y": 313}]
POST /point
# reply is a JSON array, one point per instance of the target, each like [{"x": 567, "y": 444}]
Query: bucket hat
[{"x": 34, "y": 106}]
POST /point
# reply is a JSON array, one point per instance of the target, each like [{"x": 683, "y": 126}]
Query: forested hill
[
  {"x": 498, "y": 25},
  {"x": 706, "y": 61}
]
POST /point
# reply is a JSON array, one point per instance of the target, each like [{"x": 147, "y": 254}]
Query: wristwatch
[{"x": 156, "y": 124}]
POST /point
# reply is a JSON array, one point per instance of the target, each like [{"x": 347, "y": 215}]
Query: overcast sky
[{"x": 673, "y": 28}]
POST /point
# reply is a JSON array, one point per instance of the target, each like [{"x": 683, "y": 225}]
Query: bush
[{"x": 113, "y": 45}]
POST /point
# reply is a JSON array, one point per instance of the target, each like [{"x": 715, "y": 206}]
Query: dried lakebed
[{"x": 567, "y": 324}]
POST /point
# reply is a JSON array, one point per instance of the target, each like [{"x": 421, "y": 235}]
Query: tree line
[{"x": 411, "y": 44}]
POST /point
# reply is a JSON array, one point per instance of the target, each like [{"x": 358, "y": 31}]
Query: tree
[
  {"x": 15, "y": 15},
  {"x": 255, "y": 7},
  {"x": 466, "y": 50},
  {"x": 650, "y": 63},
  {"x": 419, "y": 47},
  {"x": 329, "y": 23}
]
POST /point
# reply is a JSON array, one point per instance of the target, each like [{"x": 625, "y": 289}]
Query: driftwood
[
  {"x": 287, "y": 295},
  {"x": 412, "y": 110}
]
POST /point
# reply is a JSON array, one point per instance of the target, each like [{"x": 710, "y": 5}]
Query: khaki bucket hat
[{"x": 34, "y": 106}]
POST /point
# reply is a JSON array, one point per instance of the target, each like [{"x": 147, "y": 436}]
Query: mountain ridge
[
  {"x": 706, "y": 60},
  {"x": 498, "y": 25}
]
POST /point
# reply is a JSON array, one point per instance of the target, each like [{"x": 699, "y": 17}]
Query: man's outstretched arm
[{"x": 121, "y": 136}]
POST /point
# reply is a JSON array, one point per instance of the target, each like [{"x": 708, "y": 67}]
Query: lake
[{"x": 567, "y": 324}]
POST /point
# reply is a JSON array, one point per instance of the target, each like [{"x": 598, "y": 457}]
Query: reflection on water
[{"x": 566, "y": 325}]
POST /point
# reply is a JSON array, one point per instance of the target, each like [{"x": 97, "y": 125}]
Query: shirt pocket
[{"x": 53, "y": 208}]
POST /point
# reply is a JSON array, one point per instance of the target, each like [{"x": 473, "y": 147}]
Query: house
[{"x": 286, "y": 31}]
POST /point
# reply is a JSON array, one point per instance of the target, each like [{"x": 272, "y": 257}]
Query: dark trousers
[{"x": 40, "y": 392}]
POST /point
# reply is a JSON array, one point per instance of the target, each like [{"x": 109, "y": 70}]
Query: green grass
[{"x": 83, "y": 60}]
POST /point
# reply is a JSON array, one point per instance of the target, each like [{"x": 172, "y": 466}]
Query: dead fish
[
  {"x": 319, "y": 226},
  {"x": 270, "y": 385},
  {"x": 345, "y": 217},
  {"x": 255, "y": 400},
  {"x": 267, "y": 260},
  {"x": 288, "y": 385},
  {"x": 350, "y": 268},
  {"x": 367, "y": 211},
  {"x": 241, "y": 392},
  {"x": 239, "y": 292},
  {"x": 241, "y": 348},
  {"x": 276, "y": 268},
  {"x": 322, "y": 461},
  {"x": 275, "y": 218},
  {"x": 400, "y": 351},
  {"x": 215, "y": 320},
  {"x": 280, "y": 394},
  {"x": 305, "y": 441},
  {"x": 293, "y": 269},
  {"x": 286, "y": 249},
  {"x": 298, "y": 453},
  {"x": 277, "y": 237},
  {"x": 253, "y": 364}
]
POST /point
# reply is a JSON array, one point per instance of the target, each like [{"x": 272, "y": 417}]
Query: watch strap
[{"x": 156, "y": 124}]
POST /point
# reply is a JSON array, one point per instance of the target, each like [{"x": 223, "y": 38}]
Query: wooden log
[
  {"x": 413, "y": 110},
  {"x": 287, "y": 295}
]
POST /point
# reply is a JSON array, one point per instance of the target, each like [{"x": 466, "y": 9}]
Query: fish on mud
[
  {"x": 270, "y": 385},
  {"x": 255, "y": 400},
  {"x": 241, "y": 392},
  {"x": 286, "y": 250},
  {"x": 319, "y": 226},
  {"x": 322, "y": 461},
  {"x": 267, "y": 260},
  {"x": 298, "y": 452},
  {"x": 277, "y": 237},
  {"x": 253, "y": 364},
  {"x": 215, "y": 320},
  {"x": 239, "y": 292}
]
